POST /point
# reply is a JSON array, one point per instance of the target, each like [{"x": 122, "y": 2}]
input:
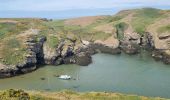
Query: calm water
[{"x": 138, "y": 74}]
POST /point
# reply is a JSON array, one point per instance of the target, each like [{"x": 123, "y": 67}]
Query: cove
[{"x": 132, "y": 74}]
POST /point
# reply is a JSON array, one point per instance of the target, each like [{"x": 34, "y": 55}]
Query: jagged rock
[
  {"x": 161, "y": 55},
  {"x": 50, "y": 54},
  {"x": 129, "y": 47},
  {"x": 7, "y": 71},
  {"x": 147, "y": 41},
  {"x": 69, "y": 60},
  {"x": 58, "y": 61},
  {"x": 106, "y": 49},
  {"x": 157, "y": 55},
  {"x": 83, "y": 59},
  {"x": 164, "y": 36},
  {"x": 86, "y": 48},
  {"x": 111, "y": 46},
  {"x": 133, "y": 37},
  {"x": 34, "y": 57},
  {"x": 28, "y": 69}
]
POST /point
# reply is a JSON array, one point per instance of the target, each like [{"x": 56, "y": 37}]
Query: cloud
[{"x": 57, "y": 5}]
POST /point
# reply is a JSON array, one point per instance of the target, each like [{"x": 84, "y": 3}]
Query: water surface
[{"x": 137, "y": 74}]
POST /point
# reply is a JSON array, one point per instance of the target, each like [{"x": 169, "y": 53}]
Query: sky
[{"x": 9, "y": 6}]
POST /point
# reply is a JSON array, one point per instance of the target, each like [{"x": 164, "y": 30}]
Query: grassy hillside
[
  {"x": 13, "y": 32},
  {"x": 68, "y": 95}
]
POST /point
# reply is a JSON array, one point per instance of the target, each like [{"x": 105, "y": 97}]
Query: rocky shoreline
[{"x": 68, "y": 52}]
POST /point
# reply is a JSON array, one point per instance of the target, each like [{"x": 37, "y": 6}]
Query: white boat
[{"x": 64, "y": 77}]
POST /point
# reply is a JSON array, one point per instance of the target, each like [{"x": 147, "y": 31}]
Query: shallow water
[{"x": 137, "y": 74}]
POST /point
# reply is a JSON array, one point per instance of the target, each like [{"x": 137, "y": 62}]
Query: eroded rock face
[
  {"x": 83, "y": 59},
  {"x": 161, "y": 55},
  {"x": 7, "y": 71},
  {"x": 164, "y": 36},
  {"x": 50, "y": 54},
  {"x": 62, "y": 54},
  {"x": 68, "y": 52},
  {"x": 130, "y": 43},
  {"x": 130, "y": 47},
  {"x": 34, "y": 57},
  {"x": 111, "y": 46},
  {"x": 161, "y": 47}
]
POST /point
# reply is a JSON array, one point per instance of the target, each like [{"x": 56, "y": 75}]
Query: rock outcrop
[
  {"x": 70, "y": 52},
  {"x": 7, "y": 71},
  {"x": 34, "y": 57},
  {"x": 130, "y": 43},
  {"x": 111, "y": 46},
  {"x": 162, "y": 48}
]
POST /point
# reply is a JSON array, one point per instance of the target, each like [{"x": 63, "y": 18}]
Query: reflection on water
[{"x": 137, "y": 74}]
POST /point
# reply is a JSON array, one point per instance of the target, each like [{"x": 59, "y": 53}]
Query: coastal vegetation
[
  {"x": 164, "y": 29},
  {"x": 15, "y": 32},
  {"x": 27, "y": 42},
  {"x": 69, "y": 95}
]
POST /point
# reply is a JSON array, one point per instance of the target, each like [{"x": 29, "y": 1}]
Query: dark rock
[
  {"x": 58, "y": 61},
  {"x": 161, "y": 55},
  {"x": 8, "y": 71},
  {"x": 130, "y": 48},
  {"x": 106, "y": 49},
  {"x": 42, "y": 78},
  {"x": 157, "y": 55},
  {"x": 69, "y": 60},
  {"x": 147, "y": 41},
  {"x": 83, "y": 59}
]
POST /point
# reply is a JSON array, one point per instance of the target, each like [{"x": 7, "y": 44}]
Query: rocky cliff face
[
  {"x": 161, "y": 48},
  {"x": 34, "y": 57},
  {"x": 111, "y": 34},
  {"x": 68, "y": 52}
]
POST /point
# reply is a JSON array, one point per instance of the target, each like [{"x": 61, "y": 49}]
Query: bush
[
  {"x": 120, "y": 28},
  {"x": 12, "y": 94}
]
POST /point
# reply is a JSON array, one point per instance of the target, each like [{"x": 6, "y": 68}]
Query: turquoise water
[{"x": 137, "y": 74}]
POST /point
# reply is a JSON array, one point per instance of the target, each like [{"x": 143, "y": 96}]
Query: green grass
[
  {"x": 164, "y": 29},
  {"x": 13, "y": 52},
  {"x": 68, "y": 95},
  {"x": 143, "y": 18},
  {"x": 84, "y": 32},
  {"x": 52, "y": 41},
  {"x": 120, "y": 28},
  {"x": 8, "y": 29}
]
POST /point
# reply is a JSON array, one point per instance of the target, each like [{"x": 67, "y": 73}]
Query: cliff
[{"x": 27, "y": 43}]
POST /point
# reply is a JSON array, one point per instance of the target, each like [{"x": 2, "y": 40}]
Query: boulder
[
  {"x": 130, "y": 47},
  {"x": 7, "y": 71},
  {"x": 164, "y": 36},
  {"x": 83, "y": 59},
  {"x": 111, "y": 46},
  {"x": 161, "y": 55}
]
